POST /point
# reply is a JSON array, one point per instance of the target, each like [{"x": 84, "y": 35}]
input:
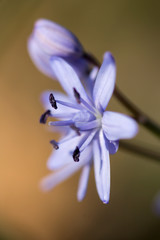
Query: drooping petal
[
  {"x": 39, "y": 58},
  {"x": 83, "y": 182},
  {"x": 105, "y": 82},
  {"x": 67, "y": 77},
  {"x": 102, "y": 168},
  {"x": 97, "y": 167},
  {"x": 105, "y": 169},
  {"x": 55, "y": 178},
  {"x": 118, "y": 126}
]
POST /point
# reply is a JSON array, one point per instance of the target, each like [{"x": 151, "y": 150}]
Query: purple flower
[
  {"x": 93, "y": 133},
  {"x": 49, "y": 39}
]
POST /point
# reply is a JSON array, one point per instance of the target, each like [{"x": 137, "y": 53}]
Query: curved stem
[
  {"x": 143, "y": 151},
  {"x": 139, "y": 116}
]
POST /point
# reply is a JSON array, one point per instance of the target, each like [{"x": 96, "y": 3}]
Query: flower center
[{"x": 81, "y": 116}]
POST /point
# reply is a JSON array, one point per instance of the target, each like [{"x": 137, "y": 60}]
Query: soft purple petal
[
  {"x": 105, "y": 82},
  {"x": 67, "y": 77},
  {"x": 55, "y": 178},
  {"x": 112, "y": 146},
  {"x": 39, "y": 58},
  {"x": 83, "y": 182},
  {"x": 97, "y": 167},
  {"x": 89, "y": 82},
  {"x": 105, "y": 169},
  {"x": 102, "y": 168},
  {"x": 93, "y": 74},
  {"x": 118, "y": 126}
]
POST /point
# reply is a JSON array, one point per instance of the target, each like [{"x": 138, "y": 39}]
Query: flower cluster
[{"x": 91, "y": 133}]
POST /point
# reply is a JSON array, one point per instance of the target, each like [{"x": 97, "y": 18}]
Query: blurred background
[{"x": 131, "y": 31}]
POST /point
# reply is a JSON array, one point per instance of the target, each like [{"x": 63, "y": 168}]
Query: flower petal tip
[
  {"x": 54, "y": 59},
  {"x": 40, "y": 22},
  {"x": 134, "y": 129},
  {"x": 80, "y": 199},
  {"x": 42, "y": 186},
  {"x": 109, "y": 56},
  {"x": 49, "y": 165},
  {"x": 105, "y": 202}
]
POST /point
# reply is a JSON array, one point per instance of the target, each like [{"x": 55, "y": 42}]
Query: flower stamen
[
  {"x": 68, "y": 104},
  {"x": 77, "y": 96},
  {"x": 61, "y": 123},
  {"x": 52, "y": 101},
  {"x": 80, "y": 100},
  {"x": 76, "y": 129},
  {"x": 87, "y": 139},
  {"x": 44, "y": 116},
  {"x": 76, "y": 154},
  {"x": 54, "y": 144}
]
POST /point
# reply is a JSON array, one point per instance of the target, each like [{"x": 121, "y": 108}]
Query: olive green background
[{"x": 131, "y": 31}]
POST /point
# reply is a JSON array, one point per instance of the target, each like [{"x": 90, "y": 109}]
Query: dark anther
[
  {"x": 54, "y": 144},
  {"x": 43, "y": 118},
  {"x": 76, "y": 154},
  {"x": 52, "y": 101},
  {"x": 77, "y": 95},
  {"x": 76, "y": 129}
]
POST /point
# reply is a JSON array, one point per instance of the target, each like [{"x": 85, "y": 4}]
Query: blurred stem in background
[
  {"x": 140, "y": 150},
  {"x": 139, "y": 116}
]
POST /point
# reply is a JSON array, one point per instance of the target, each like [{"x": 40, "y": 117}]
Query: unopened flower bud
[
  {"x": 49, "y": 39},
  {"x": 56, "y": 40},
  {"x": 39, "y": 58}
]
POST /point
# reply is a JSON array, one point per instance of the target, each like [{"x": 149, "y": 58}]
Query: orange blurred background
[{"x": 131, "y": 31}]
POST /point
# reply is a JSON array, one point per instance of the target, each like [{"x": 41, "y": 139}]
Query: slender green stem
[{"x": 139, "y": 116}]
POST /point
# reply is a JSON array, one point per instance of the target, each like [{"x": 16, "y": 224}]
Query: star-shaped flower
[{"x": 93, "y": 132}]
